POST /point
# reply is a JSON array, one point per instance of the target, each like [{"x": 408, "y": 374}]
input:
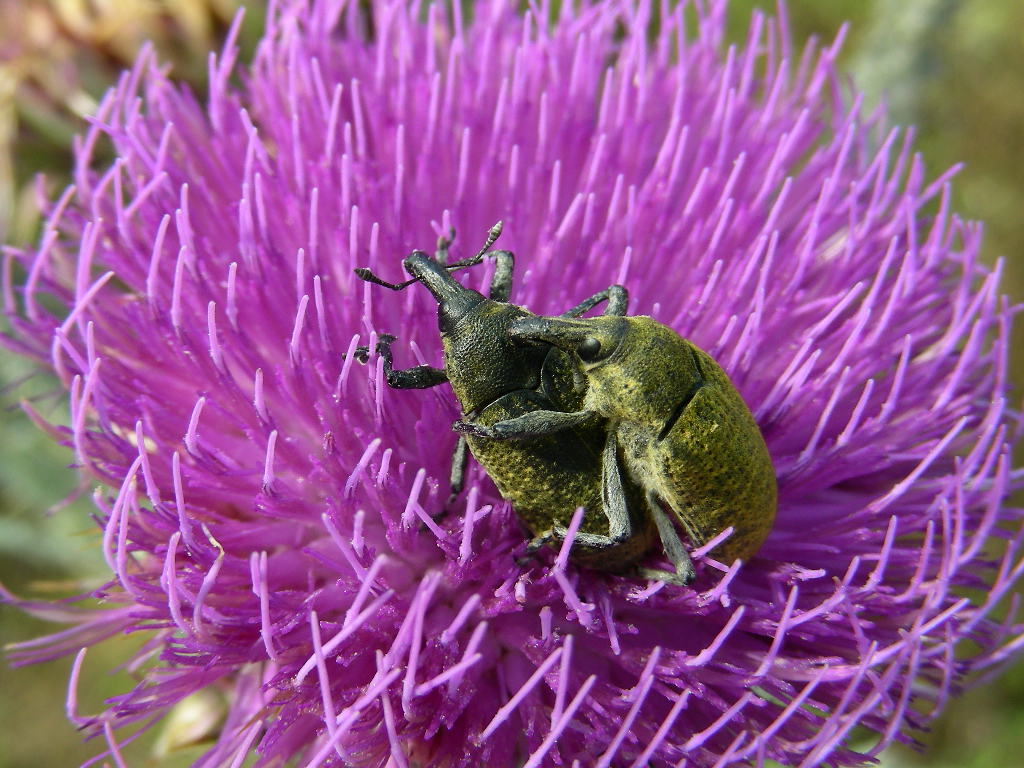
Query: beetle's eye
[{"x": 589, "y": 349}]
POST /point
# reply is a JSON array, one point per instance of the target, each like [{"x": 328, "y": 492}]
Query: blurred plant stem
[
  {"x": 56, "y": 59},
  {"x": 897, "y": 58}
]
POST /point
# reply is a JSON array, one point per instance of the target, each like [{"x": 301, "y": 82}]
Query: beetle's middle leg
[
  {"x": 532, "y": 424},
  {"x": 613, "y": 503},
  {"x": 621, "y": 526}
]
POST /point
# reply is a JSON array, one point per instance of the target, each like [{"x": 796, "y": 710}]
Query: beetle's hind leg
[
  {"x": 534, "y": 545},
  {"x": 457, "y": 479}
]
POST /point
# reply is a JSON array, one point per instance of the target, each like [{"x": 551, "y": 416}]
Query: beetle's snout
[
  {"x": 453, "y": 300},
  {"x": 413, "y": 261},
  {"x": 435, "y": 277}
]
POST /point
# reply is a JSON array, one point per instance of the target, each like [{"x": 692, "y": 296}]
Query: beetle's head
[
  {"x": 454, "y": 300},
  {"x": 594, "y": 340}
]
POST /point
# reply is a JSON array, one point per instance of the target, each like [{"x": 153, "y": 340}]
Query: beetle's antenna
[
  {"x": 364, "y": 273},
  {"x": 492, "y": 235}
]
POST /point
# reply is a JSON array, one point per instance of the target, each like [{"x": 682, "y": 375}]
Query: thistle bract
[{"x": 266, "y": 501}]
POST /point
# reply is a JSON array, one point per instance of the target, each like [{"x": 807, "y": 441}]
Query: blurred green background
[{"x": 954, "y": 68}]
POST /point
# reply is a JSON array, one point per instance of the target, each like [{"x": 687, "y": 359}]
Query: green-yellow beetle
[{"x": 684, "y": 433}]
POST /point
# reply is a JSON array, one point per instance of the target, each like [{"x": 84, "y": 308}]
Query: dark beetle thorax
[{"x": 482, "y": 361}]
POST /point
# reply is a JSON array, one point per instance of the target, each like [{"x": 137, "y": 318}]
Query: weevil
[
  {"x": 496, "y": 380},
  {"x": 685, "y": 435}
]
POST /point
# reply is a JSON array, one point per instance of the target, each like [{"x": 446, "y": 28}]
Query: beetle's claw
[
  {"x": 383, "y": 348},
  {"x": 533, "y": 546},
  {"x": 471, "y": 428},
  {"x": 445, "y": 240},
  {"x": 669, "y": 577},
  {"x": 541, "y": 540},
  {"x": 384, "y": 342}
]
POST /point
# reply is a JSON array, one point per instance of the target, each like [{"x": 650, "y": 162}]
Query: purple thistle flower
[{"x": 267, "y": 500}]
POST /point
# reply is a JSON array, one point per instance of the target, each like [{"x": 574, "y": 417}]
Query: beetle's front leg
[
  {"x": 532, "y": 424},
  {"x": 419, "y": 377},
  {"x": 615, "y": 295},
  {"x": 443, "y": 244},
  {"x": 501, "y": 284}
]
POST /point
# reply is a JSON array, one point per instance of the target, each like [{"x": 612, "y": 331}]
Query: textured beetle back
[{"x": 688, "y": 436}]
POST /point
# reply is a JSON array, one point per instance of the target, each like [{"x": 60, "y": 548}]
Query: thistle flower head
[{"x": 267, "y": 500}]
